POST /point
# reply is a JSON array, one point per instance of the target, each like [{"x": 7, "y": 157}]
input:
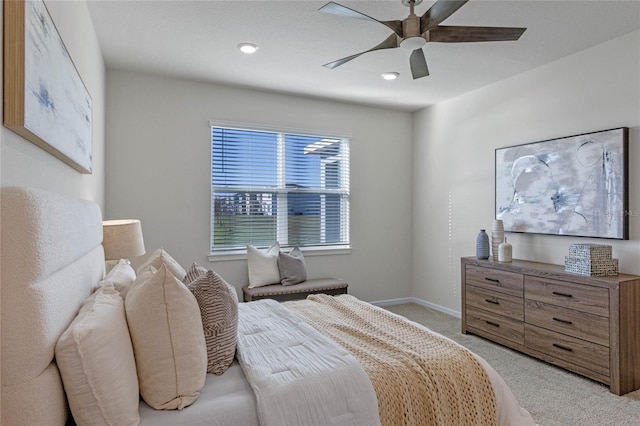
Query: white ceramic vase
[
  {"x": 497, "y": 237},
  {"x": 505, "y": 252}
]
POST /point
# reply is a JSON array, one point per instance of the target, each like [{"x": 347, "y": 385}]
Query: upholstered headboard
[{"x": 51, "y": 259}]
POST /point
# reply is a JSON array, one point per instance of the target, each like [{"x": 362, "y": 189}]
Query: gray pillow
[{"x": 292, "y": 267}]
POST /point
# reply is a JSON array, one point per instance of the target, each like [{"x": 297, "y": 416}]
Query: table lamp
[{"x": 122, "y": 239}]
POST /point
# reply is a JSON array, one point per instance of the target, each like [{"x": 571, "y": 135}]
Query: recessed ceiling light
[
  {"x": 390, "y": 75},
  {"x": 248, "y": 47}
]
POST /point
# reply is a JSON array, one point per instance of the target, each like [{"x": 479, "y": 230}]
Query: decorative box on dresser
[{"x": 589, "y": 325}]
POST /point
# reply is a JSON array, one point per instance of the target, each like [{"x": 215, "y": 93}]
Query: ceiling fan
[{"x": 413, "y": 32}]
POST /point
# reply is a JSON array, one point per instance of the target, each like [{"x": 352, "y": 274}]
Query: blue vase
[{"x": 482, "y": 245}]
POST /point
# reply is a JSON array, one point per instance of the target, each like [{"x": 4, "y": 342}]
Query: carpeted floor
[{"x": 552, "y": 395}]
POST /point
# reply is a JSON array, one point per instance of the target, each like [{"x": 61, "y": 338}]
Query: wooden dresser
[{"x": 589, "y": 325}]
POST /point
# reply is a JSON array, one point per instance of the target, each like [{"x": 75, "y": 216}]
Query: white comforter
[{"x": 300, "y": 377}]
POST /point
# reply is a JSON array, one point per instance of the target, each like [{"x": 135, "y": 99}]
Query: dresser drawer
[
  {"x": 585, "y": 298},
  {"x": 575, "y": 351},
  {"x": 582, "y": 325},
  {"x": 493, "y": 279},
  {"x": 498, "y": 303},
  {"x": 498, "y": 325}
]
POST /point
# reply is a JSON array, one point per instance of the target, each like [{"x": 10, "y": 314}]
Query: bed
[{"x": 52, "y": 261}]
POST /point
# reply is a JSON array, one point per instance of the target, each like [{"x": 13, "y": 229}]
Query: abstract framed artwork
[
  {"x": 45, "y": 99},
  {"x": 574, "y": 185}
]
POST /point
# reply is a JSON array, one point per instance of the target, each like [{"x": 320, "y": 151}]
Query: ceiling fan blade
[
  {"x": 336, "y": 64},
  {"x": 455, "y": 34},
  {"x": 437, "y": 13},
  {"x": 388, "y": 43},
  {"x": 339, "y": 10},
  {"x": 418, "y": 64}
]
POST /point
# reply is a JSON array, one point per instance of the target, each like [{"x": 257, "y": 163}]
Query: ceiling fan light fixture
[
  {"x": 413, "y": 43},
  {"x": 248, "y": 48},
  {"x": 390, "y": 75}
]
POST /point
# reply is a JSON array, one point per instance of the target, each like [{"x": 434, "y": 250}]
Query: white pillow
[
  {"x": 263, "y": 266},
  {"x": 168, "y": 342},
  {"x": 161, "y": 256},
  {"x": 95, "y": 359},
  {"x": 121, "y": 276}
]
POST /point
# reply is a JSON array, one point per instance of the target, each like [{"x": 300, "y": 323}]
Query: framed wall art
[
  {"x": 574, "y": 185},
  {"x": 45, "y": 100}
]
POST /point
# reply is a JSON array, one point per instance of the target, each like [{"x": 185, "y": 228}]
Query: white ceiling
[{"x": 197, "y": 40}]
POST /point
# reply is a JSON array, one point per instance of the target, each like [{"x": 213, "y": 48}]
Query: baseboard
[{"x": 417, "y": 301}]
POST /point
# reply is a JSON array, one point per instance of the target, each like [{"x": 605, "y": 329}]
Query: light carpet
[{"x": 552, "y": 395}]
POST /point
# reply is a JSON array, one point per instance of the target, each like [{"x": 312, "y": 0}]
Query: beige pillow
[
  {"x": 263, "y": 266},
  {"x": 121, "y": 276},
  {"x": 168, "y": 343},
  {"x": 218, "y": 303},
  {"x": 159, "y": 257},
  {"x": 95, "y": 359}
]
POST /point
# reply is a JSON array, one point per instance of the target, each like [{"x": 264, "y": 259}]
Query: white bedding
[
  {"x": 299, "y": 376},
  {"x": 225, "y": 400}
]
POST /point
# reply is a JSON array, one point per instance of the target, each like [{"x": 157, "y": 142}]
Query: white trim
[
  {"x": 237, "y": 125},
  {"x": 417, "y": 301},
  {"x": 241, "y": 254},
  {"x": 392, "y": 302}
]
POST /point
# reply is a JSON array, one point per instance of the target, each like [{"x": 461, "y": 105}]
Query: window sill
[{"x": 307, "y": 251}]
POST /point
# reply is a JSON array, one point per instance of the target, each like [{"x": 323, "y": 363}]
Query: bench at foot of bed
[{"x": 281, "y": 293}]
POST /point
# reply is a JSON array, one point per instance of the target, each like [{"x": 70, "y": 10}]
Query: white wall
[
  {"x": 453, "y": 158},
  {"x": 158, "y": 170},
  {"x": 23, "y": 163}
]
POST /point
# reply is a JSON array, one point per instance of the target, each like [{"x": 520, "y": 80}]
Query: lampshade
[{"x": 122, "y": 239}]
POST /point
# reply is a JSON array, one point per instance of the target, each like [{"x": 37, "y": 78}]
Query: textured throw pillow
[
  {"x": 95, "y": 359},
  {"x": 292, "y": 267},
  {"x": 121, "y": 276},
  {"x": 194, "y": 272},
  {"x": 159, "y": 257},
  {"x": 263, "y": 266},
  {"x": 168, "y": 343},
  {"x": 218, "y": 303}
]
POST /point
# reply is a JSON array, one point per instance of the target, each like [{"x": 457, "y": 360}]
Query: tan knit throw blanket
[{"x": 419, "y": 377}]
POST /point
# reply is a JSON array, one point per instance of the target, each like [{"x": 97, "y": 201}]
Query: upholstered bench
[{"x": 330, "y": 286}]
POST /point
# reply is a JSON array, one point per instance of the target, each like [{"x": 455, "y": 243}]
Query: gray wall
[
  {"x": 453, "y": 159},
  {"x": 23, "y": 163},
  {"x": 158, "y": 170}
]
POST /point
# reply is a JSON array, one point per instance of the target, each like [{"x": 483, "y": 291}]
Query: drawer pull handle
[
  {"x": 495, "y": 324},
  {"x": 557, "y": 293},
  {"x": 495, "y": 302},
  {"x": 564, "y": 348},
  {"x": 493, "y": 280},
  {"x": 562, "y": 321}
]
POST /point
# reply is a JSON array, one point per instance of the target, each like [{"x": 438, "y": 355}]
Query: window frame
[{"x": 310, "y": 250}]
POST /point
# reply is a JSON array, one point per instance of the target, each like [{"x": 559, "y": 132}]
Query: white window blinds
[{"x": 277, "y": 186}]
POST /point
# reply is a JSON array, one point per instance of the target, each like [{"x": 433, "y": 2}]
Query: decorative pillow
[
  {"x": 292, "y": 267},
  {"x": 263, "y": 266},
  {"x": 159, "y": 257},
  {"x": 218, "y": 303},
  {"x": 121, "y": 276},
  {"x": 168, "y": 343},
  {"x": 194, "y": 272},
  {"x": 95, "y": 359}
]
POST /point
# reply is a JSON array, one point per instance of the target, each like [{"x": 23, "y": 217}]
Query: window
[{"x": 271, "y": 186}]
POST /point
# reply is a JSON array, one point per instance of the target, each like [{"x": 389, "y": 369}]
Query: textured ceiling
[{"x": 197, "y": 40}]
